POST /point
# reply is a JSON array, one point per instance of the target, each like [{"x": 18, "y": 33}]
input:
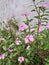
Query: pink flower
[
  {"x": 7, "y": 28},
  {"x": 17, "y": 41},
  {"x": 25, "y": 14},
  {"x": 40, "y": 29},
  {"x": 29, "y": 38},
  {"x": 2, "y": 39},
  {"x": 28, "y": 47},
  {"x": 2, "y": 56},
  {"x": 21, "y": 59},
  {"x": 47, "y": 26},
  {"x": 22, "y": 27},
  {"x": 11, "y": 50},
  {"x": 45, "y": 5}
]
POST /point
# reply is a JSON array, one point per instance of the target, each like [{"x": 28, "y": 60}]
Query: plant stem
[
  {"x": 29, "y": 28},
  {"x": 28, "y": 24},
  {"x": 39, "y": 23},
  {"x": 39, "y": 20}
]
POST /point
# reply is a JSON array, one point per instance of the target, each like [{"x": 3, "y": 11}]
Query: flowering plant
[{"x": 30, "y": 46}]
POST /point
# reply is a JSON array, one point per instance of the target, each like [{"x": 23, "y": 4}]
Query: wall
[{"x": 9, "y": 8}]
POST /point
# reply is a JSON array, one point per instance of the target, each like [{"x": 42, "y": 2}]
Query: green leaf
[
  {"x": 46, "y": 47},
  {"x": 45, "y": 21},
  {"x": 33, "y": 0},
  {"x": 44, "y": 18},
  {"x": 30, "y": 20},
  {"x": 44, "y": 15},
  {"x": 26, "y": 60},
  {"x": 38, "y": 17},
  {"x": 4, "y": 48},
  {"x": 33, "y": 10},
  {"x": 42, "y": 8},
  {"x": 47, "y": 59}
]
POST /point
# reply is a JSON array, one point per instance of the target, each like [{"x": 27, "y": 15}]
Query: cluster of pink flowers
[
  {"x": 2, "y": 39},
  {"x": 45, "y": 5},
  {"x": 47, "y": 26},
  {"x": 29, "y": 38},
  {"x": 22, "y": 27},
  {"x": 7, "y": 28},
  {"x": 17, "y": 41},
  {"x": 21, "y": 59},
  {"x": 2, "y": 56}
]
